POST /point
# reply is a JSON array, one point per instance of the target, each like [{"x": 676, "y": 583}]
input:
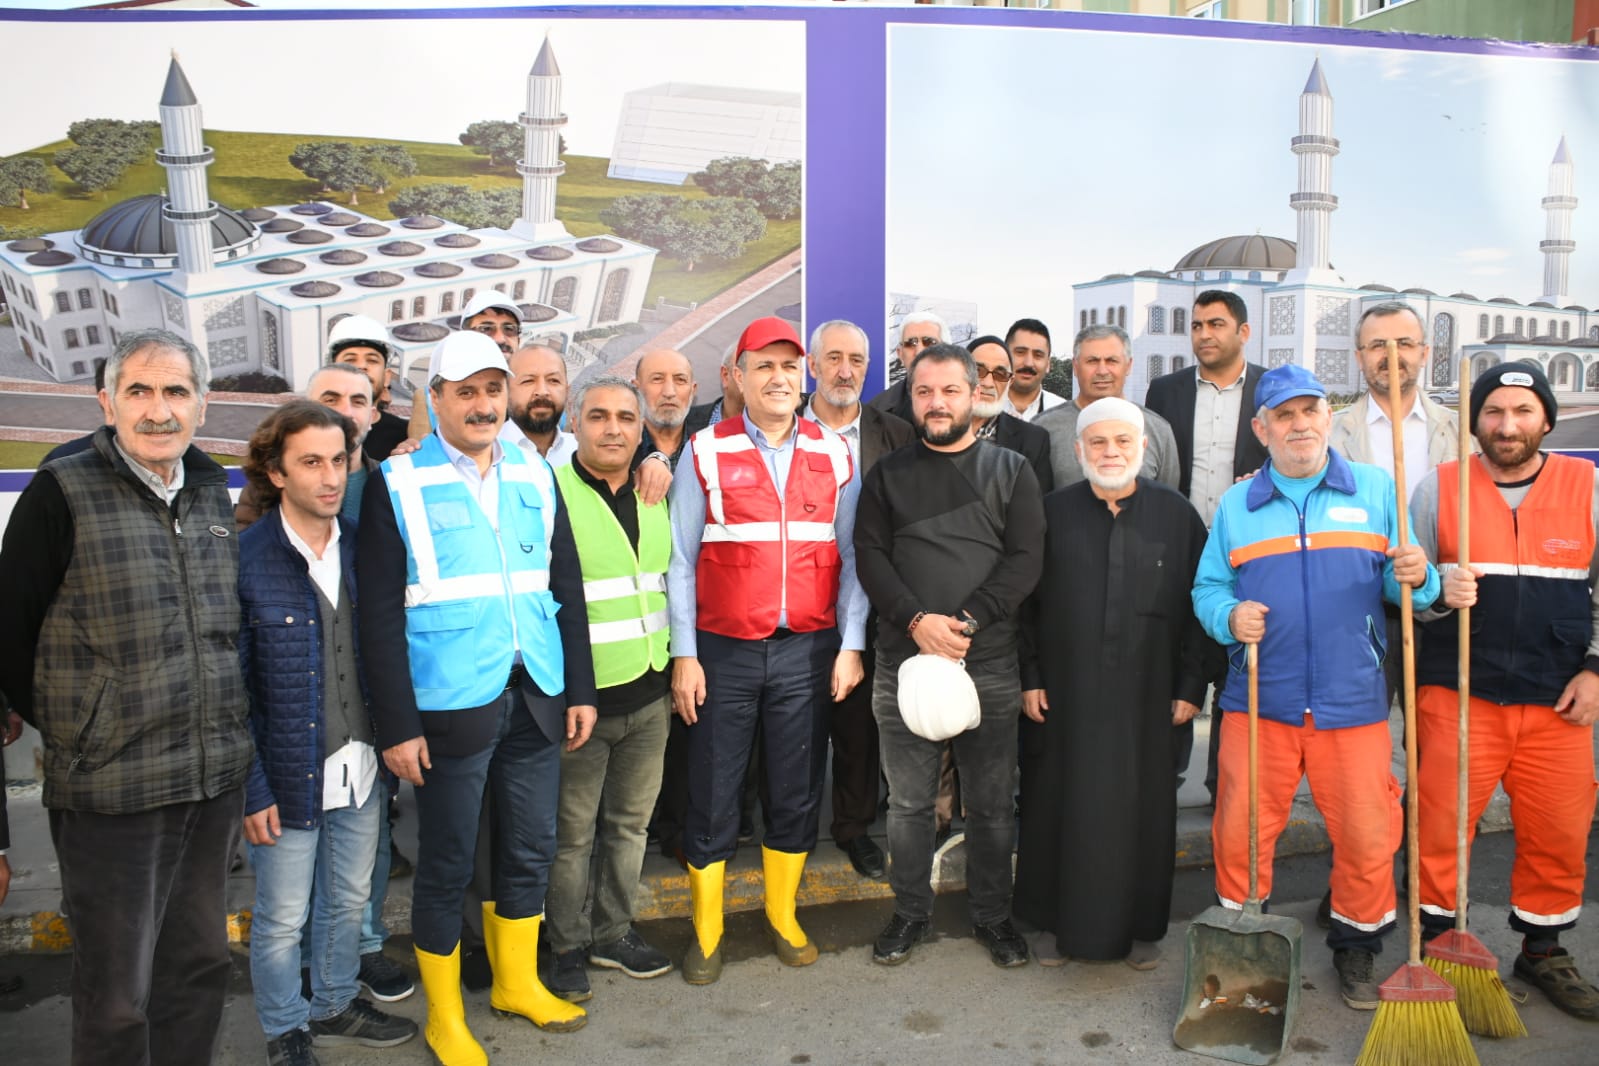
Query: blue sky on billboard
[
  {"x": 385, "y": 77},
  {"x": 1037, "y": 159}
]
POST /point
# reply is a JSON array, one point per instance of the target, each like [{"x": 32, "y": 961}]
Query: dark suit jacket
[
  {"x": 881, "y": 433},
  {"x": 699, "y": 416},
  {"x": 1031, "y": 442},
  {"x": 5, "y": 826},
  {"x": 894, "y": 400},
  {"x": 1172, "y": 397}
]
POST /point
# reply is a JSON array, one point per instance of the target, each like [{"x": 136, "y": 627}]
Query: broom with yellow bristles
[
  {"x": 1458, "y": 956},
  {"x": 1416, "y": 1020}
]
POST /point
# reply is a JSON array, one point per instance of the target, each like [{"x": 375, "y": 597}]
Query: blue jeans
[
  {"x": 523, "y": 769},
  {"x": 373, "y": 931},
  {"x": 323, "y": 875}
]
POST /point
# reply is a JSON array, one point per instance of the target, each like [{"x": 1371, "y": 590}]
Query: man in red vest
[
  {"x": 768, "y": 626},
  {"x": 1534, "y": 670}
]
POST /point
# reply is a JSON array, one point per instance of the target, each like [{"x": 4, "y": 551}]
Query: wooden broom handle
[
  {"x": 1407, "y": 642},
  {"x": 1463, "y": 674}
]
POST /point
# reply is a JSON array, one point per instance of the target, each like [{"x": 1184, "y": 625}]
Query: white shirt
[
  {"x": 347, "y": 774},
  {"x": 850, "y": 431},
  {"x": 1217, "y": 410},
  {"x": 561, "y": 449},
  {"x": 1380, "y": 439},
  {"x": 1041, "y": 403},
  {"x": 167, "y": 492},
  {"x": 484, "y": 487}
]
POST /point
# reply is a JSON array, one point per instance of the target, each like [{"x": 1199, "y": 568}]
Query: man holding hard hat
[{"x": 949, "y": 542}]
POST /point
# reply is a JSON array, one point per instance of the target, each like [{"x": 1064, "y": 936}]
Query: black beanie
[{"x": 1525, "y": 374}]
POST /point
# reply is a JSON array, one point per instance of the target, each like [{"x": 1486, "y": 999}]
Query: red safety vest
[
  {"x": 1532, "y": 621},
  {"x": 762, "y": 555}
]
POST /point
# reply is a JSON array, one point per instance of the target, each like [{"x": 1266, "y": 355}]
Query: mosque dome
[
  {"x": 549, "y": 252},
  {"x": 367, "y": 229},
  {"x": 536, "y": 312},
  {"x": 457, "y": 240},
  {"x": 136, "y": 228},
  {"x": 1241, "y": 252},
  {"x": 599, "y": 245}
]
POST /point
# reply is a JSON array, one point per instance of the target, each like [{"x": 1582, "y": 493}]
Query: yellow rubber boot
[
  {"x": 703, "y": 963},
  {"x": 446, "y": 1032},
  {"x": 513, "y": 945},
  {"x": 782, "y": 871}
]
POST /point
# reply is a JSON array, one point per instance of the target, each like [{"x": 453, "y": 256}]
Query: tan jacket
[{"x": 1348, "y": 435}]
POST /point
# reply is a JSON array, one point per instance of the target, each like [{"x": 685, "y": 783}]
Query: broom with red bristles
[
  {"x": 1416, "y": 1020},
  {"x": 1458, "y": 956}
]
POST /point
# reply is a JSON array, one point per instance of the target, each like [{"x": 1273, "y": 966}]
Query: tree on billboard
[
  {"x": 19, "y": 174},
  {"x": 716, "y": 227},
  {"x": 776, "y": 190},
  {"x": 134, "y": 140},
  {"x": 344, "y": 167},
  {"x": 94, "y": 170},
  {"x": 460, "y": 204},
  {"x": 500, "y": 141}
]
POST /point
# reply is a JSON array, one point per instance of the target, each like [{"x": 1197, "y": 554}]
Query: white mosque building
[
  {"x": 1303, "y": 311},
  {"x": 258, "y": 289}
]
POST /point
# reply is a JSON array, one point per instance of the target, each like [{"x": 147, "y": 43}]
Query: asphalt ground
[{"x": 947, "y": 1004}]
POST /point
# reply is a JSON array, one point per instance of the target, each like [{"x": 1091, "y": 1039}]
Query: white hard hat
[
  {"x": 491, "y": 299},
  {"x": 463, "y": 353},
  {"x": 937, "y": 699},
  {"x": 358, "y": 329}
]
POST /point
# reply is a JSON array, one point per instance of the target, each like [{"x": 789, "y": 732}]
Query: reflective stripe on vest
[
  {"x": 625, "y": 590},
  {"x": 1532, "y": 621},
  {"x": 765, "y": 557},
  {"x": 477, "y": 585}
]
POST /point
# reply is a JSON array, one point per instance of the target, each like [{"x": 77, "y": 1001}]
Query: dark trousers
[
  {"x": 855, "y": 759},
  {"x": 987, "y": 758},
  {"x": 780, "y": 684},
  {"x": 522, "y": 768},
  {"x": 147, "y": 895}
]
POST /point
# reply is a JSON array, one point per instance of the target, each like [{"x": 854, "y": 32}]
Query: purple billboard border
[{"x": 845, "y": 97}]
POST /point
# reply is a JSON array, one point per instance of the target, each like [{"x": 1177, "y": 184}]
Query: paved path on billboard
[{"x": 707, "y": 331}]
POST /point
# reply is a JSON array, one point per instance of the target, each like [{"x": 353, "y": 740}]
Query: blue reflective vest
[{"x": 471, "y": 595}]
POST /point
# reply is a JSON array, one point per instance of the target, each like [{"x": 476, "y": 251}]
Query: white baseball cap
[
  {"x": 937, "y": 699},
  {"x": 464, "y": 353},
  {"x": 490, "y": 299}
]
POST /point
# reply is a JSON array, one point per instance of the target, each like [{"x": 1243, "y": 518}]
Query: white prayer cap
[{"x": 1111, "y": 409}]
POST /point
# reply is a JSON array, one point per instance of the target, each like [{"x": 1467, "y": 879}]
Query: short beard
[
  {"x": 954, "y": 433},
  {"x": 1528, "y": 449},
  {"x": 985, "y": 409},
  {"x": 842, "y": 397},
  {"x": 536, "y": 426},
  {"x": 671, "y": 421},
  {"x": 1135, "y": 464}
]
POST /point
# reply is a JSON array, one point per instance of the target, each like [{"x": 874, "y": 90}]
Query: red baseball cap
[{"x": 764, "y": 331}]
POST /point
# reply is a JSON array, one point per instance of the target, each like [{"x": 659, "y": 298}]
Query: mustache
[
  {"x": 171, "y": 425},
  {"x": 483, "y": 420}
]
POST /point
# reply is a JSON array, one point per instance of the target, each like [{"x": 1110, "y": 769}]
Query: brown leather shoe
[{"x": 1557, "y": 975}]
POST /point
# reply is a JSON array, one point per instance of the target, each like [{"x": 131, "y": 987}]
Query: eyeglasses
[
  {"x": 998, "y": 373},
  {"x": 912, "y": 342},
  {"x": 1405, "y": 344}
]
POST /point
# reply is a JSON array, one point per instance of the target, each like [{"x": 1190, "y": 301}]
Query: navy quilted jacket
[{"x": 280, "y": 651}]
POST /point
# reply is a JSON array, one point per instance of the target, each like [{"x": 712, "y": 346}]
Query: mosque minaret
[
  {"x": 540, "y": 165},
  {"x": 1314, "y": 201},
  {"x": 184, "y": 155},
  {"x": 1557, "y": 244}
]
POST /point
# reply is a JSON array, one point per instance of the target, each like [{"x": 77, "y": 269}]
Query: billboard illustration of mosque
[
  {"x": 1313, "y": 181},
  {"x": 217, "y": 236}
]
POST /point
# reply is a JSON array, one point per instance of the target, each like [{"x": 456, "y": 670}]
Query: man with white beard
[
  {"x": 838, "y": 360},
  {"x": 1112, "y": 659}
]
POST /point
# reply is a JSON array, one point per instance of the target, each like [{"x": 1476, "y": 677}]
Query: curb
[{"x": 828, "y": 879}]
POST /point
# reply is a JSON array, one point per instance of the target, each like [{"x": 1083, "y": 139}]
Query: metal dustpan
[{"x": 1241, "y": 981}]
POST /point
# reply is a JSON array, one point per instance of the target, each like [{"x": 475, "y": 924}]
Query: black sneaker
[
  {"x": 293, "y": 1048},
  {"x": 632, "y": 955},
  {"x": 1357, "y": 979},
  {"x": 1005, "y": 945},
  {"x": 363, "y": 1024},
  {"x": 383, "y": 980},
  {"x": 568, "y": 979},
  {"x": 894, "y": 943}
]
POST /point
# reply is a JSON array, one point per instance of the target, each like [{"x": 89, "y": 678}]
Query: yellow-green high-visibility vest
[{"x": 626, "y": 591}]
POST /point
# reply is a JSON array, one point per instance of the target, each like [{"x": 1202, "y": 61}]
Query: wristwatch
[{"x": 971, "y": 627}]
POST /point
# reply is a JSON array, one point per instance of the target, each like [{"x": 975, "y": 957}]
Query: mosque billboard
[{"x": 996, "y": 163}]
